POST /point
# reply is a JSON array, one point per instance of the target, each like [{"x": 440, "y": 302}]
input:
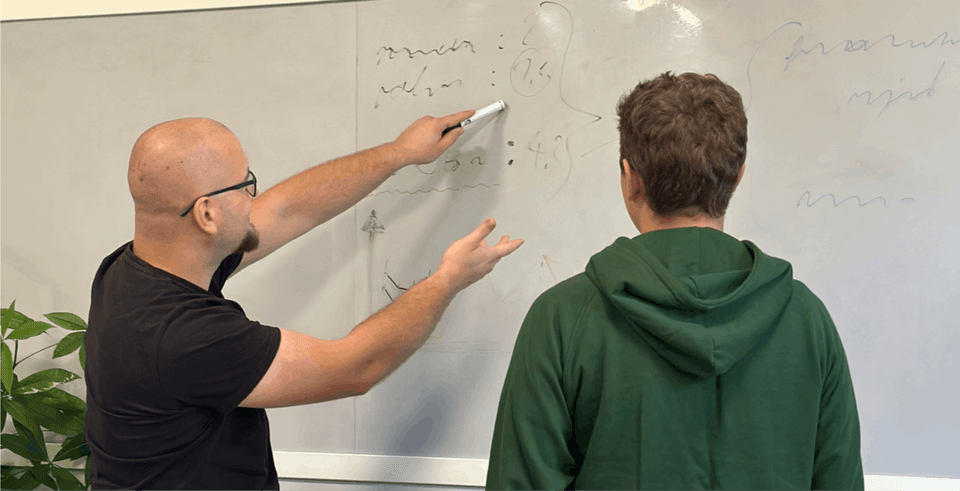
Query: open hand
[{"x": 470, "y": 258}]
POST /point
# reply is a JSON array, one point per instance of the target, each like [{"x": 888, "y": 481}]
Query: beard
[{"x": 250, "y": 241}]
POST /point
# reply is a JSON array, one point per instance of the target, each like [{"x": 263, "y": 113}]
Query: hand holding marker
[{"x": 480, "y": 114}]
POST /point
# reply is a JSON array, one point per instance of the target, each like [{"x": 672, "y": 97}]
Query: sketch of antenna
[
  {"x": 373, "y": 224},
  {"x": 374, "y": 227},
  {"x": 395, "y": 285},
  {"x": 545, "y": 261},
  {"x": 393, "y": 289},
  {"x": 396, "y": 288}
]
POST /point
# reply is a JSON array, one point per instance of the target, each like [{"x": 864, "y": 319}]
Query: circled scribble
[{"x": 533, "y": 70}]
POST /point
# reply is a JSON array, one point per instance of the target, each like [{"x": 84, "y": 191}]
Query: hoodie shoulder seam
[{"x": 579, "y": 320}]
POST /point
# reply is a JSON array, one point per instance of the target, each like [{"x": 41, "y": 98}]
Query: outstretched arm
[
  {"x": 307, "y": 370},
  {"x": 296, "y": 205}
]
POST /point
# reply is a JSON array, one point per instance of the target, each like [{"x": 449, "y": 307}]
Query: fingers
[
  {"x": 477, "y": 236},
  {"x": 469, "y": 259},
  {"x": 450, "y": 137},
  {"x": 505, "y": 248},
  {"x": 456, "y": 118},
  {"x": 450, "y": 121}
]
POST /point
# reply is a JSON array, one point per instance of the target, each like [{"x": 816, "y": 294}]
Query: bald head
[
  {"x": 174, "y": 162},
  {"x": 172, "y": 166}
]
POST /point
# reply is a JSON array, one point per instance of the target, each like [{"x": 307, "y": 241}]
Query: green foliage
[{"x": 35, "y": 403}]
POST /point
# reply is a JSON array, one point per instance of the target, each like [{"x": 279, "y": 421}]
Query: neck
[
  {"x": 648, "y": 221},
  {"x": 179, "y": 258}
]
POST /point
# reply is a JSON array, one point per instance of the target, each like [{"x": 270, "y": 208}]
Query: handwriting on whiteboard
[
  {"x": 849, "y": 46},
  {"x": 415, "y": 89},
  {"x": 859, "y": 201},
  {"x": 870, "y": 99},
  {"x": 535, "y": 74},
  {"x": 391, "y": 53}
]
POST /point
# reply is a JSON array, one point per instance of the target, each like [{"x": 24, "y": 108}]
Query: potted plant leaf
[{"x": 35, "y": 403}]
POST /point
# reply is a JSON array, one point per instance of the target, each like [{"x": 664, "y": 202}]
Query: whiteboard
[{"x": 851, "y": 176}]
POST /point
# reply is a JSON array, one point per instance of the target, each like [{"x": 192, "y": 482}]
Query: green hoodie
[{"x": 681, "y": 359}]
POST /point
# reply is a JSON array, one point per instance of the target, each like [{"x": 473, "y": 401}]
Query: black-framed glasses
[{"x": 251, "y": 190}]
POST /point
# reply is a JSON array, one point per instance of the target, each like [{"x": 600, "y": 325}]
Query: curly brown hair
[{"x": 686, "y": 137}]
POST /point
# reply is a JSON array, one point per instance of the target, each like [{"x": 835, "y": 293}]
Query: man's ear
[
  {"x": 633, "y": 180},
  {"x": 743, "y": 167},
  {"x": 207, "y": 215}
]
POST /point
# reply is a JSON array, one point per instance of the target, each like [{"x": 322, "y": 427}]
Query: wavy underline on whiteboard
[
  {"x": 424, "y": 191},
  {"x": 836, "y": 203},
  {"x": 442, "y": 50}
]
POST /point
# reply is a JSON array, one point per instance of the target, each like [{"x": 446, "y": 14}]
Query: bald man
[{"x": 177, "y": 376}]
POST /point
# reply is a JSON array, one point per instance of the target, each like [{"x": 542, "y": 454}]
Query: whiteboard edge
[{"x": 473, "y": 472}]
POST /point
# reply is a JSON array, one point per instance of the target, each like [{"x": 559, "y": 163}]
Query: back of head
[{"x": 686, "y": 137}]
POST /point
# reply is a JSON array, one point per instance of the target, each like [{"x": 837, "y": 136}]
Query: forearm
[
  {"x": 392, "y": 335},
  {"x": 326, "y": 190}
]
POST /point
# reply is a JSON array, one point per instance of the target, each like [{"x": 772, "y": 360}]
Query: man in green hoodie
[{"x": 682, "y": 358}]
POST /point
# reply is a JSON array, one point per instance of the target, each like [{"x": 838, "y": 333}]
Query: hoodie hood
[{"x": 700, "y": 297}]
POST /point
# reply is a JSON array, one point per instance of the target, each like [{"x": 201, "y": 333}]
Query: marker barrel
[{"x": 481, "y": 113}]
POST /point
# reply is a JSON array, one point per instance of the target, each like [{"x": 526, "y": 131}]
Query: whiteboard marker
[{"x": 480, "y": 114}]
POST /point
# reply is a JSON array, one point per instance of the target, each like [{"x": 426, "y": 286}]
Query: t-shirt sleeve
[{"x": 213, "y": 356}]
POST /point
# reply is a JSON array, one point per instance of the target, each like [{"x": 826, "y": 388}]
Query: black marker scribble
[
  {"x": 390, "y": 53},
  {"x": 397, "y": 286},
  {"x": 451, "y": 165},
  {"x": 594, "y": 149},
  {"x": 536, "y": 63},
  {"x": 864, "y": 45},
  {"x": 533, "y": 69},
  {"x": 546, "y": 260},
  {"x": 929, "y": 91},
  {"x": 838, "y": 203},
  {"x": 530, "y": 73},
  {"x": 536, "y": 16},
  {"x": 563, "y": 62},
  {"x": 537, "y": 152},
  {"x": 398, "y": 90},
  {"x": 424, "y": 191}
]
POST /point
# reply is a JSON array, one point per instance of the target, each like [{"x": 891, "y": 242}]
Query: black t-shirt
[{"x": 167, "y": 364}]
